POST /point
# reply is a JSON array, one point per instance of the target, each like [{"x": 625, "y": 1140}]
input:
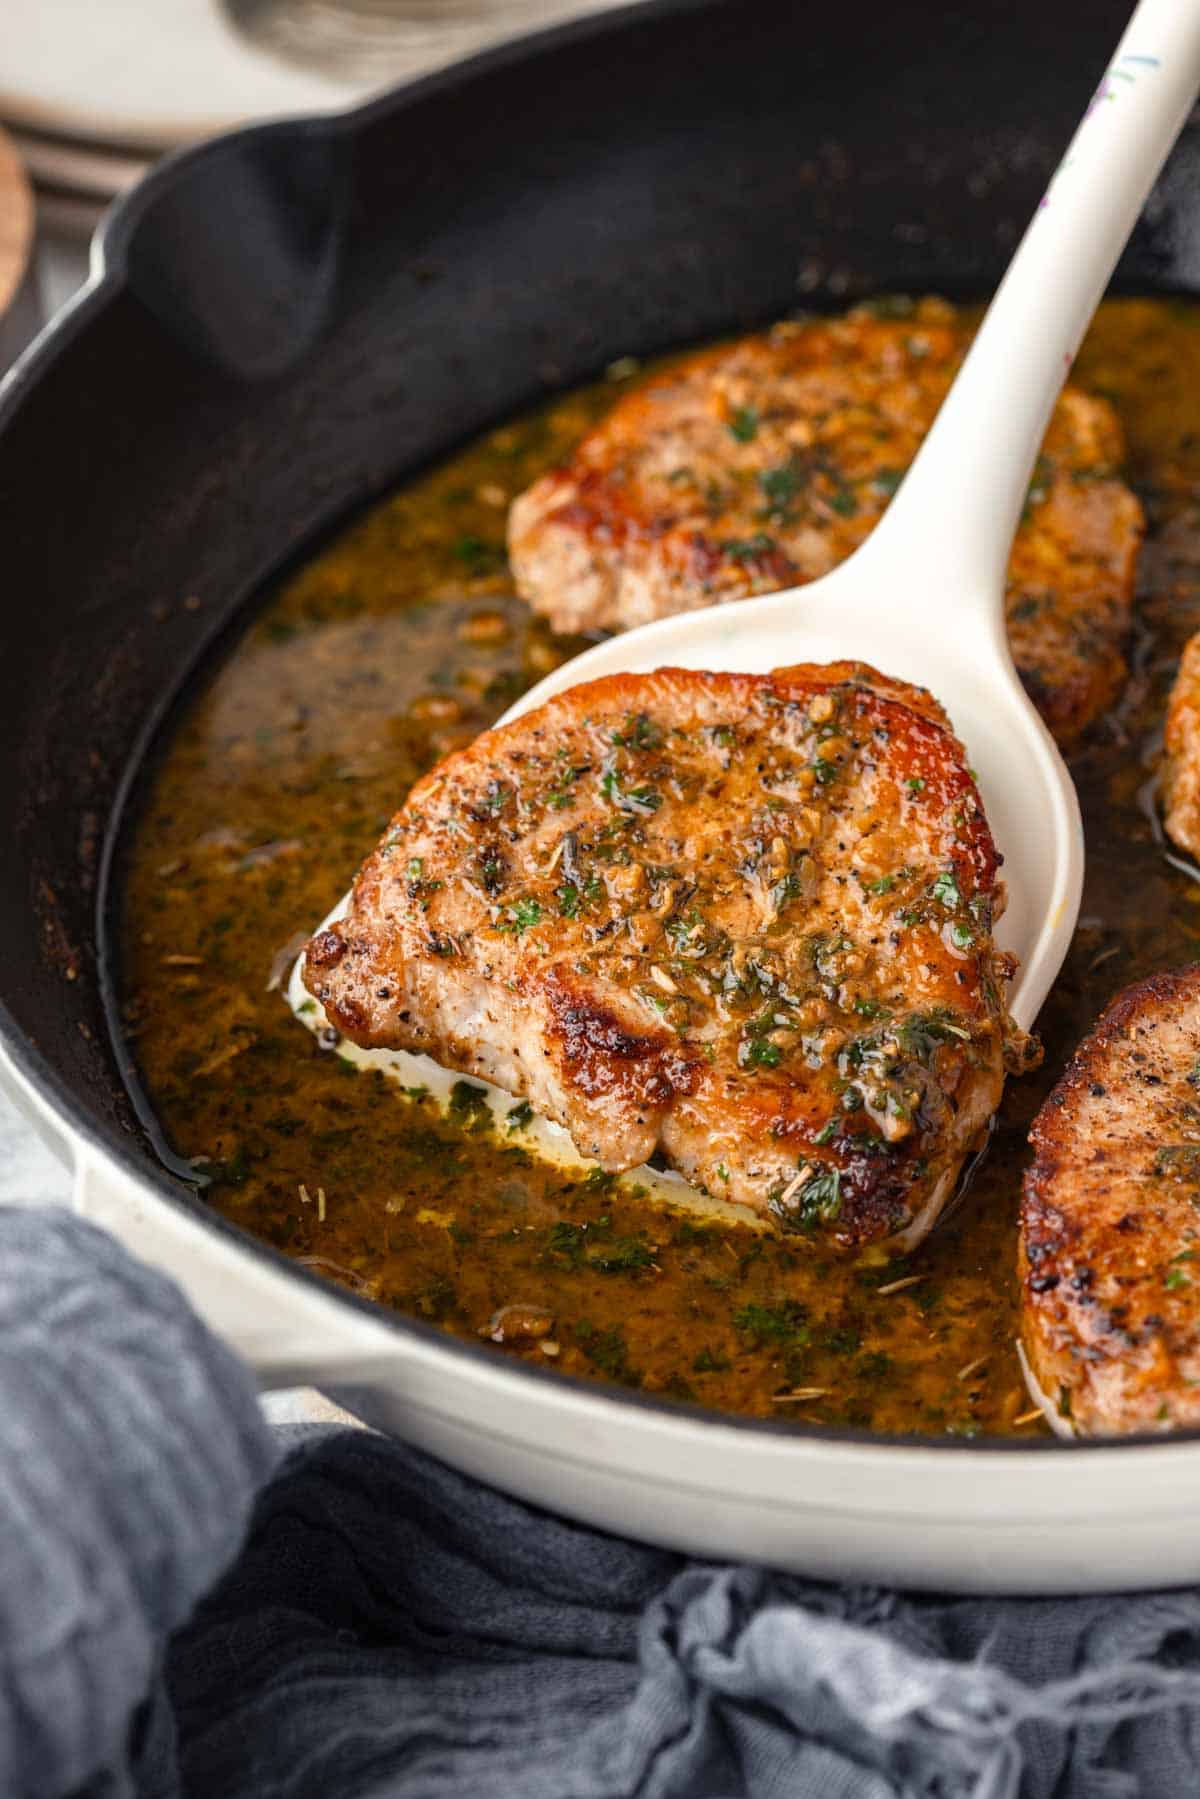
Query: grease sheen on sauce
[{"x": 402, "y": 640}]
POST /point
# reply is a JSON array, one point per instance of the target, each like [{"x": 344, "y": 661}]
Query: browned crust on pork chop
[
  {"x": 742, "y": 919},
  {"x": 763, "y": 463},
  {"x": 1110, "y": 1219}
]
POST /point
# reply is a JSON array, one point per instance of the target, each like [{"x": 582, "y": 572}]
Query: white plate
[{"x": 154, "y": 74}]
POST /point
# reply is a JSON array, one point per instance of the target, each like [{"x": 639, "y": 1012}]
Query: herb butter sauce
[{"x": 401, "y": 641}]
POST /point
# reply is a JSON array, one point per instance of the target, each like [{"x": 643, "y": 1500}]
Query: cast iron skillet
[{"x": 289, "y": 320}]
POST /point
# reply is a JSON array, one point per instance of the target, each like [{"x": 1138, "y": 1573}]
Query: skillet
[{"x": 284, "y": 323}]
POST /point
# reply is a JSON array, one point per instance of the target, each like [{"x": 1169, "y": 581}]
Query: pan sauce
[{"x": 397, "y": 643}]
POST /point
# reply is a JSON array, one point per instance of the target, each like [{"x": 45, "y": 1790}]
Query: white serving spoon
[{"x": 923, "y": 597}]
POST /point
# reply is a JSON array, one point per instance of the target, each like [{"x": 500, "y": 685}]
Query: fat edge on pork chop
[{"x": 742, "y": 920}]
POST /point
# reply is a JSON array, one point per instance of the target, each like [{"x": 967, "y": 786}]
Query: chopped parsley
[
  {"x": 606, "y": 1350},
  {"x": 566, "y": 1240},
  {"x": 480, "y": 557},
  {"x": 945, "y": 889},
  {"x": 642, "y": 800},
  {"x": 749, "y": 549},
  {"x": 784, "y": 1323},
  {"x": 572, "y": 897},
  {"x": 469, "y": 1104},
  {"x": 519, "y": 1115},
  {"x": 639, "y": 732},
  {"x": 818, "y": 1201},
  {"x": 521, "y": 917},
  {"x": 785, "y": 890},
  {"x": 780, "y": 486},
  {"x": 743, "y": 424},
  {"x": 624, "y": 1255},
  {"x": 562, "y": 793}
]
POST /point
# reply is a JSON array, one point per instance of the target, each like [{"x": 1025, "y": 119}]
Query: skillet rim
[{"x": 106, "y": 281}]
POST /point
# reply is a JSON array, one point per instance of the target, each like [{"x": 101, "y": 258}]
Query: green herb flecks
[
  {"x": 780, "y": 487},
  {"x": 749, "y": 549},
  {"x": 785, "y": 1323},
  {"x": 946, "y": 891},
  {"x": 519, "y": 1116},
  {"x": 743, "y": 424},
  {"x": 469, "y": 1105},
  {"x": 573, "y": 898},
  {"x": 640, "y": 801},
  {"x": 639, "y": 732},
  {"x": 815, "y": 1201},
  {"x": 521, "y": 917},
  {"x": 607, "y": 1351},
  {"x": 624, "y": 1255}
]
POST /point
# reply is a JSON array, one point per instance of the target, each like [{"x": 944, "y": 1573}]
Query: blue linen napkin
[{"x": 391, "y": 1628}]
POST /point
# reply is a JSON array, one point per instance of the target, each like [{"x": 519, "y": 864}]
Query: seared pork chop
[
  {"x": 763, "y": 463},
  {"x": 743, "y": 919},
  {"x": 1110, "y": 1219},
  {"x": 1181, "y": 770}
]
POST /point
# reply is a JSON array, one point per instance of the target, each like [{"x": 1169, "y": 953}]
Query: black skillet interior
[{"x": 295, "y": 317}]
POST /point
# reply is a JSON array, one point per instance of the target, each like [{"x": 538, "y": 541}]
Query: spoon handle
[{"x": 957, "y": 511}]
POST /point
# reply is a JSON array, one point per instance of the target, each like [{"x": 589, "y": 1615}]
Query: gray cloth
[
  {"x": 131, "y": 1444},
  {"x": 391, "y": 1629}
]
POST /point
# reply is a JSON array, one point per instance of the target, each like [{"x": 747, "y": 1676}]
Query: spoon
[{"x": 923, "y": 597}]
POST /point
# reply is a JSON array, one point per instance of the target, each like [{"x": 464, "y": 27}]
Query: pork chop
[
  {"x": 745, "y": 920},
  {"x": 1181, "y": 768},
  {"x": 763, "y": 463},
  {"x": 1110, "y": 1219}
]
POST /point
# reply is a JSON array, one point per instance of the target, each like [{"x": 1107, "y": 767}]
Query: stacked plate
[{"x": 92, "y": 94}]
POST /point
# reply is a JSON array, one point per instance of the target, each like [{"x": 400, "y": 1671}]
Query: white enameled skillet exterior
[{"x": 968, "y": 1517}]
